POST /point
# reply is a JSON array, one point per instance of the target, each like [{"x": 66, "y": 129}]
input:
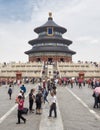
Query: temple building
[{"x": 50, "y": 46}]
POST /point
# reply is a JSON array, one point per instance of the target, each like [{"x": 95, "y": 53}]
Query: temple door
[{"x": 18, "y": 75}]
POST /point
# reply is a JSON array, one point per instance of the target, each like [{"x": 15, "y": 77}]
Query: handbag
[{"x": 25, "y": 110}]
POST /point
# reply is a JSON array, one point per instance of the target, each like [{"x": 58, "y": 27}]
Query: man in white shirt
[{"x": 53, "y": 105}]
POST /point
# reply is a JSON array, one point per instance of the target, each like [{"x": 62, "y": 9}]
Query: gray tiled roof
[
  {"x": 50, "y": 23},
  {"x": 52, "y": 39},
  {"x": 50, "y": 49}
]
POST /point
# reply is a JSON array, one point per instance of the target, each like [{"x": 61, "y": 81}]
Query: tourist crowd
[{"x": 37, "y": 97}]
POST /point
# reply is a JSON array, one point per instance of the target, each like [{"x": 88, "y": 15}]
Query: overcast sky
[{"x": 18, "y": 18}]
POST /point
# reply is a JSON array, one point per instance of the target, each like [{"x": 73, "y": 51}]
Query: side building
[{"x": 35, "y": 69}]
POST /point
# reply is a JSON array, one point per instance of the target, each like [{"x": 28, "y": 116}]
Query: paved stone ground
[
  {"x": 72, "y": 113},
  {"x": 50, "y": 123},
  {"x": 9, "y": 123}
]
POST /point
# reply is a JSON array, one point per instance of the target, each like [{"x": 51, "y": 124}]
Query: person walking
[
  {"x": 23, "y": 88},
  {"x": 31, "y": 99},
  {"x": 38, "y": 101},
  {"x": 20, "y": 102},
  {"x": 53, "y": 105},
  {"x": 10, "y": 91},
  {"x": 96, "y": 99},
  {"x": 45, "y": 94}
]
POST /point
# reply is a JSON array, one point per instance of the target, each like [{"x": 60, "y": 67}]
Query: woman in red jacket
[{"x": 20, "y": 109}]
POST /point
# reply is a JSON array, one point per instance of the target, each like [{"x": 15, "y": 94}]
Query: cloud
[
  {"x": 19, "y": 18},
  {"x": 88, "y": 39},
  {"x": 15, "y": 10},
  {"x": 87, "y": 49},
  {"x": 14, "y": 39}
]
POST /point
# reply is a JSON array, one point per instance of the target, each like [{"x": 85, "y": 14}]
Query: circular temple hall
[{"x": 50, "y": 46}]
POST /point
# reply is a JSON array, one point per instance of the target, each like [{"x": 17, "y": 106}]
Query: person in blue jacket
[{"x": 23, "y": 88}]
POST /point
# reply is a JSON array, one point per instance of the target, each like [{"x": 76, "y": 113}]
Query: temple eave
[
  {"x": 50, "y": 40},
  {"x": 41, "y": 29},
  {"x": 51, "y": 50}
]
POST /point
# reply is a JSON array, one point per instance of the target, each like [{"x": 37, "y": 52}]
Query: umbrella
[{"x": 97, "y": 90}]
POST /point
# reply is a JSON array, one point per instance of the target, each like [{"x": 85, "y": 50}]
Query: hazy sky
[{"x": 18, "y": 18}]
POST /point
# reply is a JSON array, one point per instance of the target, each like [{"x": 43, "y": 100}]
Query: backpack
[
  {"x": 9, "y": 91},
  {"x": 37, "y": 98}
]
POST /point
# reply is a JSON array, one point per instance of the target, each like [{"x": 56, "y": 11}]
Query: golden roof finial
[{"x": 50, "y": 14}]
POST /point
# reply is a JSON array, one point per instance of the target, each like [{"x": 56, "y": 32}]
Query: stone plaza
[{"x": 74, "y": 109}]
